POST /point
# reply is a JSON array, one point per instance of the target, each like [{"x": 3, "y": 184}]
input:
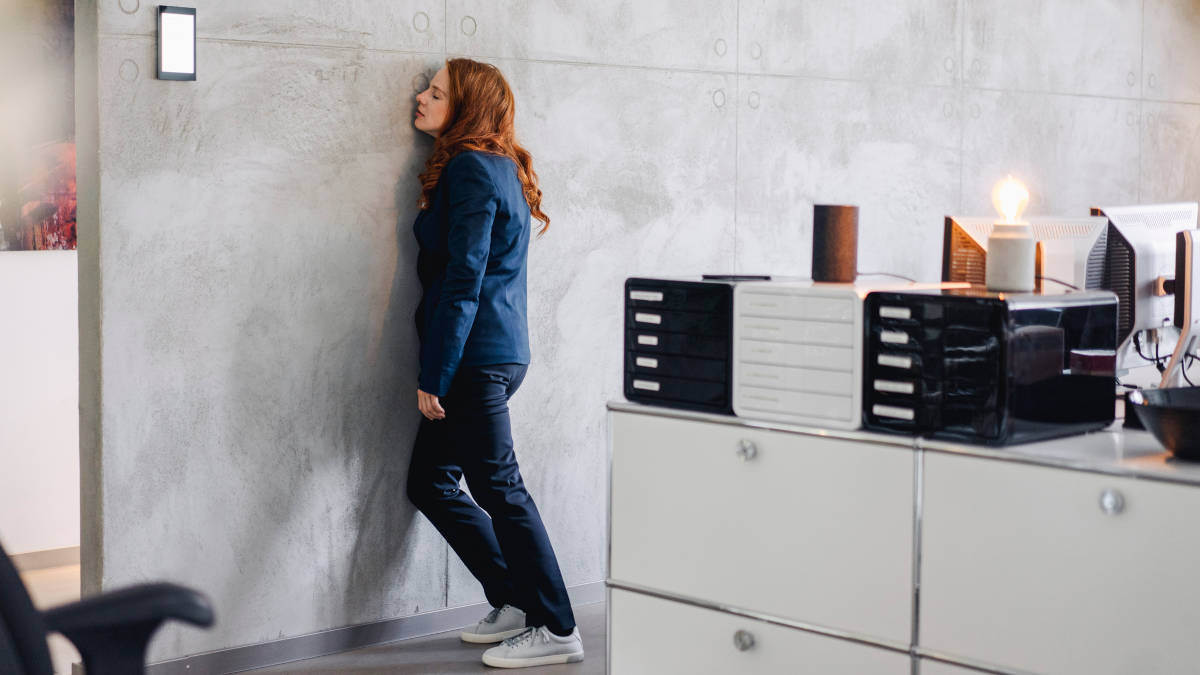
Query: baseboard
[
  {"x": 343, "y": 639},
  {"x": 40, "y": 560}
]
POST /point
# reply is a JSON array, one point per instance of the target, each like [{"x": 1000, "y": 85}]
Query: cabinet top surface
[{"x": 1116, "y": 451}]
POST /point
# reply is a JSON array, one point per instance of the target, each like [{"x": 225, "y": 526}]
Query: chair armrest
[{"x": 133, "y": 606}]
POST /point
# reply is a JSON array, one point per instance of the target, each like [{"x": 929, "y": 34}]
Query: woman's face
[{"x": 433, "y": 104}]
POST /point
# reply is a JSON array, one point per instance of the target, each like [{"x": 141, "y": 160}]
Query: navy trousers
[{"x": 504, "y": 544}]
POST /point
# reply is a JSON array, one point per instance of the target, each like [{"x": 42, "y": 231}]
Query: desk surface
[{"x": 1114, "y": 451}]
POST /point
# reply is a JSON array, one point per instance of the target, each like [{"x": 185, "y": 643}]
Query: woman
[{"x": 478, "y": 191}]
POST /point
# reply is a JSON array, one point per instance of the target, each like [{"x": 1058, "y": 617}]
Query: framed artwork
[{"x": 37, "y": 137}]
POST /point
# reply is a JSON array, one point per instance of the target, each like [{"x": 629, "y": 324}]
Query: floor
[
  {"x": 438, "y": 654},
  {"x": 51, "y": 587},
  {"x": 445, "y": 654}
]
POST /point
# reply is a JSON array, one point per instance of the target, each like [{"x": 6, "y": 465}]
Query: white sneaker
[
  {"x": 535, "y": 647},
  {"x": 499, "y": 624}
]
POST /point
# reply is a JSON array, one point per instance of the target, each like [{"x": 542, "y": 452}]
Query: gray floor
[
  {"x": 445, "y": 654},
  {"x": 49, "y": 588}
]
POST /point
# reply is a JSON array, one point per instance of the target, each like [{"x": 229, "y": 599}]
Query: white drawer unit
[
  {"x": 798, "y": 353},
  {"x": 814, "y": 530},
  {"x": 653, "y": 636},
  {"x": 1048, "y": 570}
]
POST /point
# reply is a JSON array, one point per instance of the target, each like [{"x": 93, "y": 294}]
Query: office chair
[{"x": 110, "y": 630}]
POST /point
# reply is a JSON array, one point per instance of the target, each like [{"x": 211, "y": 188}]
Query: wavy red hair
[{"x": 480, "y": 118}]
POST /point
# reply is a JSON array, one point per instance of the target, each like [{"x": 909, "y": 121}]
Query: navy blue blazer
[{"x": 474, "y": 242}]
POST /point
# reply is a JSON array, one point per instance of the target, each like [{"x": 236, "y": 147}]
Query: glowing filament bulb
[{"x": 1010, "y": 198}]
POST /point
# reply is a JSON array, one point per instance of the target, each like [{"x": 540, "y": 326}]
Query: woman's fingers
[{"x": 429, "y": 406}]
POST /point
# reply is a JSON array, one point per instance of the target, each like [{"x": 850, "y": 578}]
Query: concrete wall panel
[
  {"x": 630, "y": 191},
  {"x": 259, "y": 390},
  {"x": 892, "y": 152},
  {"x": 613, "y": 178},
  {"x": 1065, "y": 46},
  {"x": 688, "y": 34},
  {"x": 1172, "y": 50},
  {"x": 1072, "y": 153},
  {"x": 401, "y": 25},
  {"x": 1170, "y": 153},
  {"x": 906, "y": 41}
]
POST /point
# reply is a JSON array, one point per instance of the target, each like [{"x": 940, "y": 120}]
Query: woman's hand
[{"x": 429, "y": 405}]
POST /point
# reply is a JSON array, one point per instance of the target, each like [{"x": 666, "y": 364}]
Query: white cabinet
[
  {"x": 795, "y": 526},
  {"x": 652, "y": 636},
  {"x": 1056, "y": 571}
]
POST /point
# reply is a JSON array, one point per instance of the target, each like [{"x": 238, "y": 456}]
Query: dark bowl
[{"x": 1173, "y": 416}]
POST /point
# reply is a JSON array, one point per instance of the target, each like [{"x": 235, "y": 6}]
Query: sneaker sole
[
  {"x": 500, "y": 662},
  {"x": 489, "y": 638}
]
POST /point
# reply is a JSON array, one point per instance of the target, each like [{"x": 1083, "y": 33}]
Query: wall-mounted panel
[
  {"x": 1172, "y": 52},
  {"x": 1170, "y": 153},
  {"x": 1065, "y": 47},
  {"x": 903, "y": 41},
  {"x": 1072, "y": 153},
  {"x": 402, "y": 25},
  {"x": 891, "y": 151},
  {"x": 259, "y": 353},
  {"x": 700, "y": 34}
]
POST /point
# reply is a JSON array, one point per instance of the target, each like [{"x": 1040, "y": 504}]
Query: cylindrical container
[
  {"x": 835, "y": 243},
  {"x": 1011, "y": 258}
]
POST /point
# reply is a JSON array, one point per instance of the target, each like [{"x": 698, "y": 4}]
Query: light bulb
[{"x": 1010, "y": 198}]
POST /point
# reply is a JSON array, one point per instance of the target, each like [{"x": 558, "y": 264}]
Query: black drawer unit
[
  {"x": 988, "y": 368},
  {"x": 679, "y": 342}
]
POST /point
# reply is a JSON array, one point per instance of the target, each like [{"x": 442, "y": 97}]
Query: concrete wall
[
  {"x": 248, "y": 398},
  {"x": 39, "y": 400}
]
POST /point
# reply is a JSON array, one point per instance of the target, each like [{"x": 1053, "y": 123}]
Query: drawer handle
[
  {"x": 743, "y": 640},
  {"x": 1112, "y": 502},
  {"x": 746, "y": 450}
]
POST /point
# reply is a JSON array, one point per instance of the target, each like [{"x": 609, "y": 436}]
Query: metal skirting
[
  {"x": 40, "y": 560},
  {"x": 338, "y": 640}
]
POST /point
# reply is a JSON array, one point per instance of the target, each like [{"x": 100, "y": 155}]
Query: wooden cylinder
[{"x": 835, "y": 243}]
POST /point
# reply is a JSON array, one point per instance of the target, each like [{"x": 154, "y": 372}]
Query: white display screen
[{"x": 177, "y": 43}]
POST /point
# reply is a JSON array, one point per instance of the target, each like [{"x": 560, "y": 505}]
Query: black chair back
[{"x": 23, "y": 647}]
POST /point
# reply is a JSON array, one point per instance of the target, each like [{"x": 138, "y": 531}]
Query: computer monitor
[
  {"x": 1187, "y": 311},
  {"x": 1070, "y": 250},
  {"x": 1141, "y": 259}
]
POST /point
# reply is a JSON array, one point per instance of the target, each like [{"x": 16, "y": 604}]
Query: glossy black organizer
[
  {"x": 989, "y": 368},
  {"x": 678, "y": 342}
]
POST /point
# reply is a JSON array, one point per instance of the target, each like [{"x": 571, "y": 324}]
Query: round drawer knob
[
  {"x": 1112, "y": 502},
  {"x": 747, "y": 450},
  {"x": 743, "y": 640}
]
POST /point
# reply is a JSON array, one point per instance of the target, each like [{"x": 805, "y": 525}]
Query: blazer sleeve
[{"x": 472, "y": 201}]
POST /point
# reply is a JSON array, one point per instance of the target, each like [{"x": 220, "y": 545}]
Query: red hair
[{"x": 480, "y": 118}]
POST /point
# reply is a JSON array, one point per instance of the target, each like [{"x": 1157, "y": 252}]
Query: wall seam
[
  {"x": 961, "y": 85},
  {"x": 673, "y": 69},
  {"x": 1141, "y": 114},
  {"x": 737, "y": 126}
]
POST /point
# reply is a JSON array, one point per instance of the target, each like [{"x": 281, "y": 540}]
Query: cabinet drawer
[
  {"x": 840, "y": 308},
  {"x": 795, "y": 330},
  {"x": 798, "y": 407},
  {"x": 1021, "y": 567},
  {"x": 811, "y": 529},
  {"x": 786, "y": 354},
  {"x": 655, "y": 637}
]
